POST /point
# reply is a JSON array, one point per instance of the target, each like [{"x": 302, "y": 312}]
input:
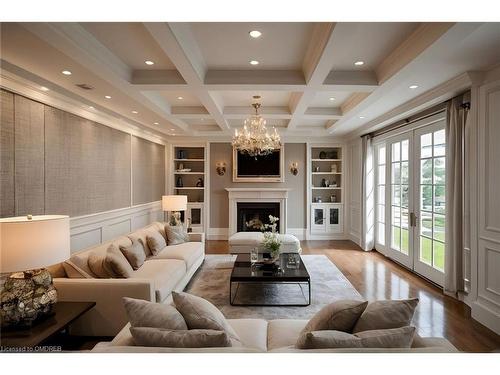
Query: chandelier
[{"x": 254, "y": 139}]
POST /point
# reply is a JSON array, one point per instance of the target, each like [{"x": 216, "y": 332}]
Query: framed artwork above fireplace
[{"x": 267, "y": 168}]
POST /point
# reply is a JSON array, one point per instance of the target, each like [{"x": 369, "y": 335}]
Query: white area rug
[{"x": 327, "y": 282}]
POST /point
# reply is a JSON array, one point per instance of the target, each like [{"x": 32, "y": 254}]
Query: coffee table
[{"x": 246, "y": 273}]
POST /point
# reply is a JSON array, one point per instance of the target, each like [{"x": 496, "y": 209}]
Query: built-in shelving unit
[
  {"x": 189, "y": 171},
  {"x": 325, "y": 190}
]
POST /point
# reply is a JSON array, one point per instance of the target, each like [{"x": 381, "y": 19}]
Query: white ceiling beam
[
  {"x": 352, "y": 79},
  {"x": 74, "y": 41},
  {"x": 321, "y": 113},
  {"x": 352, "y": 101},
  {"x": 179, "y": 45},
  {"x": 316, "y": 66},
  {"x": 190, "y": 111}
]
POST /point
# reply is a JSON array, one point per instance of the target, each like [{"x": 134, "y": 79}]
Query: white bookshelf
[
  {"x": 189, "y": 164},
  {"x": 325, "y": 195}
]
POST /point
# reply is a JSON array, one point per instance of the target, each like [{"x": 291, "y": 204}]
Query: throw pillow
[
  {"x": 112, "y": 265},
  {"x": 384, "y": 338},
  {"x": 201, "y": 314},
  {"x": 156, "y": 242},
  {"x": 386, "y": 314},
  {"x": 134, "y": 253},
  {"x": 176, "y": 234},
  {"x": 339, "y": 316},
  {"x": 151, "y": 314},
  {"x": 195, "y": 338}
]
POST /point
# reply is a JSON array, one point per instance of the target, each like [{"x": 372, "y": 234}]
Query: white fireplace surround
[{"x": 257, "y": 195}]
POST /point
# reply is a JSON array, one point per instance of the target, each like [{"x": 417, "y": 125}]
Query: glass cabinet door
[
  {"x": 335, "y": 219},
  {"x": 318, "y": 222}
]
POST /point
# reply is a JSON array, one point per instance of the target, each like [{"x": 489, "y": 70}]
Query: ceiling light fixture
[
  {"x": 180, "y": 98},
  {"x": 66, "y": 72},
  {"x": 43, "y": 88},
  {"x": 135, "y": 112},
  {"x": 413, "y": 87},
  {"x": 332, "y": 99},
  {"x": 359, "y": 63},
  {"x": 361, "y": 117},
  {"x": 149, "y": 62},
  {"x": 254, "y": 139},
  {"x": 255, "y": 33},
  {"x": 90, "y": 107},
  {"x": 156, "y": 123},
  {"x": 107, "y": 96},
  {"x": 254, "y": 62}
]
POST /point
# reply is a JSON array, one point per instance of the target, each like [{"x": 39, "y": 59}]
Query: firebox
[{"x": 251, "y": 216}]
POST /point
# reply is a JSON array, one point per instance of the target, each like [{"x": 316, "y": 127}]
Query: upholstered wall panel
[
  {"x": 29, "y": 156},
  {"x": 87, "y": 165},
  {"x": 7, "y": 196},
  {"x": 148, "y": 165}
]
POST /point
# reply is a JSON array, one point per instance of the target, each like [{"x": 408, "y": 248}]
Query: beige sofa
[
  {"x": 258, "y": 335},
  {"x": 171, "y": 269}
]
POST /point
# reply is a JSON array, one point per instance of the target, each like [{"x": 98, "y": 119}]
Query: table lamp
[
  {"x": 174, "y": 204},
  {"x": 27, "y": 245}
]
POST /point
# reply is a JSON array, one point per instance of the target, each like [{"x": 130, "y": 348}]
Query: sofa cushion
[
  {"x": 201, "y": 314},
  {"x": 194, "y": 338},
  {"x": 152, "y": 314},
  {"x": 111, "y": 264},
  {"x": 383, "y": 338},
  {"x": 189, "y": 252},
  {"x": 78, "y": 262},
  {"x": 156, "y": 242},
  {"x": 284, "y": 332},
  {"x": 338, "y": 316},
  {"x": 134, "y": 253},
  {"x": 176, "y": 234},
  {"x": 142, "y": 234},
  {"x": 251, "y": 332},
  {"x": 386, "y": 314},
  {"x": 165, "y": 273}
]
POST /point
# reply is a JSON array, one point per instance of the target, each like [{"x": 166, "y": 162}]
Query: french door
[{"x": 410, "y": 199}]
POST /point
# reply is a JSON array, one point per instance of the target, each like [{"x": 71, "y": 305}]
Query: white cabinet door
[
  {"x": 318, "y": 219},
  {"x": 334, "y": 217}
]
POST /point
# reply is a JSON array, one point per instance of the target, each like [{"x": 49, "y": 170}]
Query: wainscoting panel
[
  {"x": 148, "y": 165},
  {"x": 94, "y": 229},
  {"x": 354, "y": 212},
  {"x": 7, "y": 190},
  {"x": 29, "y": 156}
]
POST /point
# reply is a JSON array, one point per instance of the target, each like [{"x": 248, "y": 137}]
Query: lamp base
[{"x": 26, "y": 297}]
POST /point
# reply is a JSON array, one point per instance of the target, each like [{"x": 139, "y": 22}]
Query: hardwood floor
[{"x": 377, "y": 277}]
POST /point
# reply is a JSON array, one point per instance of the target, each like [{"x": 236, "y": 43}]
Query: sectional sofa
[
  {"x": 259, "y": 335},
  {"x": 171, "y": 269}
]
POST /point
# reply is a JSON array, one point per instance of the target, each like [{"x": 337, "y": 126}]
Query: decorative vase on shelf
[{"x": 179, "y": 182}]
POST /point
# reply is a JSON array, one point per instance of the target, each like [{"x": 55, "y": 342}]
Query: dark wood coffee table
[{"x": 246, "y": 273}]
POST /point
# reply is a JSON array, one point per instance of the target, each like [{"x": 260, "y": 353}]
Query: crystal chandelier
[{"x": 254, "y": 139}]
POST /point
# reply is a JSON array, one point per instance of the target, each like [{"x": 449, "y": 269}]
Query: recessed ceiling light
[
  {"x": 107, "y": 96},
  {"x": 332, "y": 99},
  {"x": 66, "y": 72},
  {"x": 254, "y": 62},
  {"x": 156, "y": 123},
  {"x": 359, "y": 63},
  {"x": 43, "y": 88},
  {"x": 361, "y": 117},
  {"x": 180, "y": 98},
  {"x": 135, "y": 112},
  {"x": 90, "y": 107},
  {"x": 172, "y": 130},
  {"x": 255, "y": 33},
  {"x": 413, "y": 87},
  {"x": 149, "y": 62}
]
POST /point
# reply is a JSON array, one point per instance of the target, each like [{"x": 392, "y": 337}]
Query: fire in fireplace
[{"x": 251, "y": 216}]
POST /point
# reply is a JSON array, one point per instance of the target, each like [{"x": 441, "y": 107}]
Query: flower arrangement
[{"x": 271, "y": 242}]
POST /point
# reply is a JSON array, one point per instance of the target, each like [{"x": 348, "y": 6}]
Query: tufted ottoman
[{"x": 243, "y": 242}]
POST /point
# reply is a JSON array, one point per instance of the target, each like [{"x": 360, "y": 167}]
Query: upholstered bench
[{"x": 244, "y": 242}]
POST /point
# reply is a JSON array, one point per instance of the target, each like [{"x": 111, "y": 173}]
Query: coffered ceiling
[{"x": 197, "y": 80}]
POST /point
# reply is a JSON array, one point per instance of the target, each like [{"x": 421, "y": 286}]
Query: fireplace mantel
[{"x": 257, "y": 194}]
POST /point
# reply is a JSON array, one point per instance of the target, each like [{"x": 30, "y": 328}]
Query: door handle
[{"x": 413, "y": 219}]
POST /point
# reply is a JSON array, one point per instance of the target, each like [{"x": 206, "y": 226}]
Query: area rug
[{"x": 328, "y": 284}]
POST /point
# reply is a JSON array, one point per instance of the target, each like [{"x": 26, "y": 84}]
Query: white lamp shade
[
  {"x": 27, "y": 244},
  {"x": 174, "y": 202}
]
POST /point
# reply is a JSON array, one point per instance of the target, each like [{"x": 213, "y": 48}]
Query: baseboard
[
  {"x": 356, "y": 238},
  {"x": 220, "y": 234},
  {"x": 486, "y": 316}
]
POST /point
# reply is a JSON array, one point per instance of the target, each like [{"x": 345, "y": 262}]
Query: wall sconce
[
  {"x": 294, "y": 168},
  {"x": 220, "y": 167}
]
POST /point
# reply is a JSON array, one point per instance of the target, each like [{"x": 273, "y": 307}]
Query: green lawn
[{"x": 401, "y": 242}]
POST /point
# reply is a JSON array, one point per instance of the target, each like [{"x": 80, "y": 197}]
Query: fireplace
[{"x": 251, "y": 216}]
